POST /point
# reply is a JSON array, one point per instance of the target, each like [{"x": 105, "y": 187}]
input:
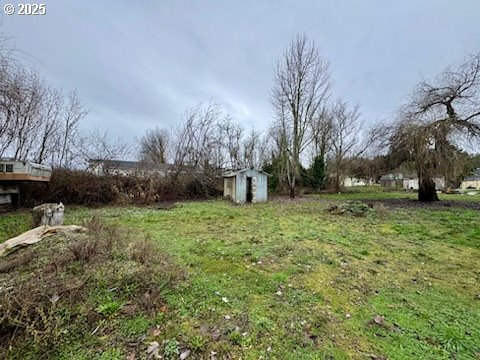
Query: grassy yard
[{"x": 289, "y": 280}]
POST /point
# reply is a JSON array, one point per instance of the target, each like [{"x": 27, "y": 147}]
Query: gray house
[{"x": 246, "y": 185}]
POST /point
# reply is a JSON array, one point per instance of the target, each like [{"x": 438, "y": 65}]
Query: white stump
[{"x": 48, "y": 214}]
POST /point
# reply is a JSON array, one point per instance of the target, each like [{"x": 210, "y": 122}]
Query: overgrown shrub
[{"x": 83, "y": 188}]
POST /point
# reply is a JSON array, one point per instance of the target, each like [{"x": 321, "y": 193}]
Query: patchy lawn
[{"x": 290, "y": 280}]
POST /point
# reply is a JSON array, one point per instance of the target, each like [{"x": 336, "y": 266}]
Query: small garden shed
[{"x": 246, "y": 185}]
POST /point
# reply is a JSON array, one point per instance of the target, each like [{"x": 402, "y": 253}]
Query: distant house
[
  {"x": 391, "y": 180},
  {"x": 129, "y": 168},
  {"x": 351, "y": 181},
  {"x": 246, "y": 185},
  {"x": 411, "y": 182},
  {"x": 13, "y": 172},
  {"x": 473, "y": 181}
]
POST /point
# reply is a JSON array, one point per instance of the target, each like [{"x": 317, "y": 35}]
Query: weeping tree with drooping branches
[{"x": 440, "y": 116}]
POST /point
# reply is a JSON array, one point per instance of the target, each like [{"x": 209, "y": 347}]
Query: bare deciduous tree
[
  {"x": 195, "y": 138},
  {"x": 229, "y": 138},
  {"x": 301, "y": 85},
  {"x": 101, "y": 145},
  {"x": 155, "y": 146},
  {"x": 36, "y": 121},
  {"x": 52, "y": 106},
  {"x": 440, "y": 113},
  {"x": 73, "y": 113},
  {"x": 255, "y": 150},
  {"x": 344, "y": 139}
]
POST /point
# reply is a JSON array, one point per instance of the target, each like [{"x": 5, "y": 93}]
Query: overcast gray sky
[{"x": 139, "y": 64}]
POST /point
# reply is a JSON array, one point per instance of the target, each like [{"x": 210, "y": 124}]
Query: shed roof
[{"x": 235, "y": 172}]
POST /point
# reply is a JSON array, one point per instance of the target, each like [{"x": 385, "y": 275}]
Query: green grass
[
  {"x": 14, "y": 224},
  {"x": 289, "y": 280}
]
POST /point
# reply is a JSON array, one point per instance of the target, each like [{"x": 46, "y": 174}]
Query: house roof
[
  {"x": 472, "y": 178},
  {"x": 475, "y": 176},
  {"x": 239, "y": 171},
  {"x": 415, "y": 177},
  {"x": 391, "y": 177}
]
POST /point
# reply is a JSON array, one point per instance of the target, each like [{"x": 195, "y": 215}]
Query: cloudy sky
[{"x": 140, "y": 64}]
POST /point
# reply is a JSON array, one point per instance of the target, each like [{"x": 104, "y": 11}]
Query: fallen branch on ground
[{"x": 35, "y": 235}]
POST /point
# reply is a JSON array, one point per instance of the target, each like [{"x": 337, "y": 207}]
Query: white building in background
[
  {"x": 411, "y": 182},
  {"x": 472, "y": 182},
  {"x": 351, "y": 181}
]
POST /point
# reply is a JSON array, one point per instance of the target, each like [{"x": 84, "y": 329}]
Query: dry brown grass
[{"x": 47, "y": 290}]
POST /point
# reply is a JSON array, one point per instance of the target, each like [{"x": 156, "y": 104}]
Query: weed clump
[
  {"x": 67, "y": 288},
  {"x": 354, "y": 208}
]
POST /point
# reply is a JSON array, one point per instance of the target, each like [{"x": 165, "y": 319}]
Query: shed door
[{"x": 249, "y": 189}]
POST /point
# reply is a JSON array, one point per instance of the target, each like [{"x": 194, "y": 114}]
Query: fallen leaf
[
  {"x": 153, "y": 349},
  {"x": 184, "y": 354}
]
